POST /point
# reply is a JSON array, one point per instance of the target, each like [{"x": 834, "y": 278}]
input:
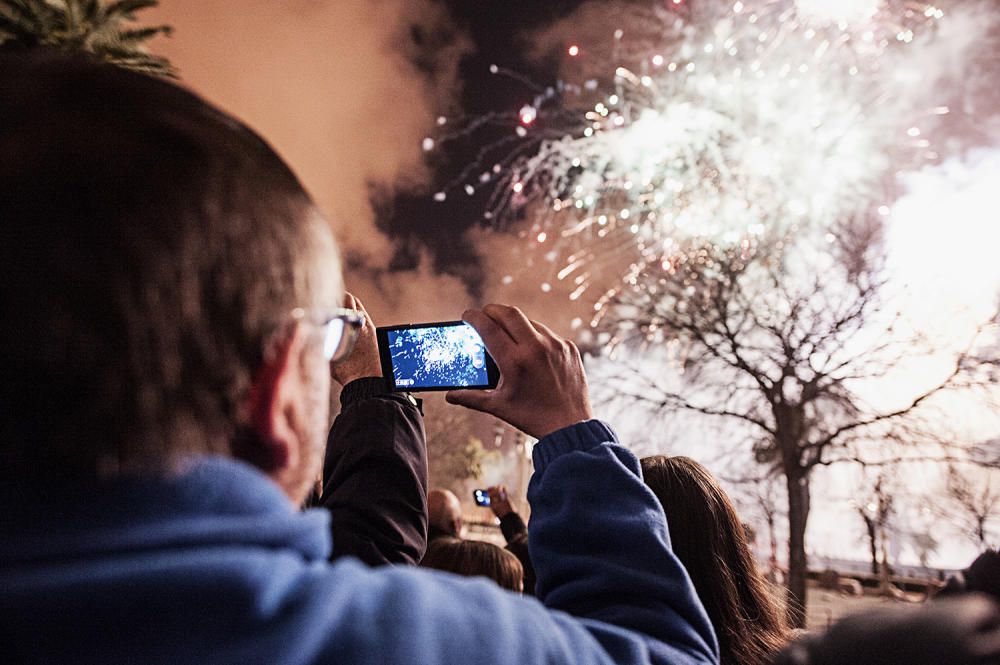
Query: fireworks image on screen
[{"x": 438, "y": 357}]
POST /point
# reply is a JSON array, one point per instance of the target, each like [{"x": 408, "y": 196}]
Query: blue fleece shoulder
[
  {"x": 215, "y": 566},
  {"x": 601, "y": 549}
]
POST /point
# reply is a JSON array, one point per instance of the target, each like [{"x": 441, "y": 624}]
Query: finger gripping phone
[
  {"x": 482, "y": 498},
  {"x": 447, "y": 355}
]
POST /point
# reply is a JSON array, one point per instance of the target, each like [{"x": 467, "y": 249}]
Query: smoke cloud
[{"x": 344, "y": 90}]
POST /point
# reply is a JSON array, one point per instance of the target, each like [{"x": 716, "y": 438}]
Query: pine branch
[
  {"x": 88, "y": 26},
  {"x": 126, "y": 8},
  {"x": 142, "y": 34},
  {"x": 92, "y": 11},
  {"x": 24, "y": 14},
  {"x": 12, "y": 28},
  {"x": 73, "y": 16}
]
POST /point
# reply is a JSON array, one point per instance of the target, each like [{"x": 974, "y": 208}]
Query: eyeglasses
[{"x": 339, "y": 328}]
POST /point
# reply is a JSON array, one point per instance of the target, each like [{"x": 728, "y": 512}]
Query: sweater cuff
[
  {"x": 581, "y": 436},
  {"x": 365, "y": 388}
]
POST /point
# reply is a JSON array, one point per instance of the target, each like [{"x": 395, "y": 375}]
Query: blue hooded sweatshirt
[{"x": 216, "y": 566}]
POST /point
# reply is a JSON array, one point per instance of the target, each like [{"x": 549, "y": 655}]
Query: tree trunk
[
  {"x": 872, "y": 541},
  {"x": 798, "y": 515},
  {"x": 885, "y": 572}
]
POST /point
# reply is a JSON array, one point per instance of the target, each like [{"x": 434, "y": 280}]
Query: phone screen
[
  {"x": 481, "y": 497},
  {"x": 435, "y": 356}
]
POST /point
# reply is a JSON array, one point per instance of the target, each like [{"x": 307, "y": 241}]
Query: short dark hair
[
  {"x": 474, "y": 558},
  {"x": 151, "y": 245},
  {"x": 709, "y": 539}
]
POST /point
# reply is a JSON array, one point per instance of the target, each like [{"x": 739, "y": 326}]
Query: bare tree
[
  {"x": 876, "y": 512},
  {"x": 784, "y": 338},
  {"x": 454, "y": 453},
  {"x": 760, "y": 496},
  {"x": 974, "y": 503},
  {"x": 871, "y": 530}
]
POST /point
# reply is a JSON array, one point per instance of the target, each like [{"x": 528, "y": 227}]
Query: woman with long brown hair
[{"x": 709, "y": 539}]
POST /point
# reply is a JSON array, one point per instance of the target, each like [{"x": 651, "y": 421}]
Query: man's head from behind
[
  {"x": 444, "y": 512},
  {"x": 153, "y": 252}
]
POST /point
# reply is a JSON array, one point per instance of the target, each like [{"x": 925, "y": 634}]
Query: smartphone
[
  {"x": 435, "y": 356},
  {"x": 482, "y": 498}
]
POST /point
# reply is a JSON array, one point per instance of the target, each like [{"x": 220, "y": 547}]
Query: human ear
[{"x": 274, "y": 407}]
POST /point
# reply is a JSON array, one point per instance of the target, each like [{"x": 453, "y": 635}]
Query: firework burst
[{"x": 769, "y": 118}]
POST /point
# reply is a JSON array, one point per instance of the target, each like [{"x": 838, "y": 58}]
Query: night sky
[{"x": 497, "y": 31}]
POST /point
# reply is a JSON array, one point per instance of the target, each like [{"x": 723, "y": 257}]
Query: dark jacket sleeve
[
  {"x": 512, "y": 526},
  {"x": 375, "y": 476},
  {"x": 515, "y": 532}
]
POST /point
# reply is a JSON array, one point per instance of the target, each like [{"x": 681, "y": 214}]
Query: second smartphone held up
[{"x": 481, "y": 497}]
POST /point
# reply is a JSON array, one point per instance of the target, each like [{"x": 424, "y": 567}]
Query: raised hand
[
  {"x": 543, "y": 386},
  {"x": 363, "y": 361},
  {"x": 499, "y": 503}
]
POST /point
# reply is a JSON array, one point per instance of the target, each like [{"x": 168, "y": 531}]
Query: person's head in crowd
[
  {"x": 444, "y": 513},
  {"x": 711, "y": 542},
  {"x": 983, "y": 576},
  {"x": 170, "y": 287},
  {"x": 474, "y": 558},
  {"x": 954, "y": 631}
]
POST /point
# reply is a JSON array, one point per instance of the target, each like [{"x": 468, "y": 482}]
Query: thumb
[{"x": 470, "y": 399}]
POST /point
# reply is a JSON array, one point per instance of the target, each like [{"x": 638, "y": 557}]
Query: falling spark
[{"x": 757, "y": 120}]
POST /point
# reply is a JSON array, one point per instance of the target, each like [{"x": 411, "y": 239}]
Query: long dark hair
[{"x": 711, "y": 542}]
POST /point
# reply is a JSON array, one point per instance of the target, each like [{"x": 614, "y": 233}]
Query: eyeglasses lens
[{"x": 334, "y": 340}]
